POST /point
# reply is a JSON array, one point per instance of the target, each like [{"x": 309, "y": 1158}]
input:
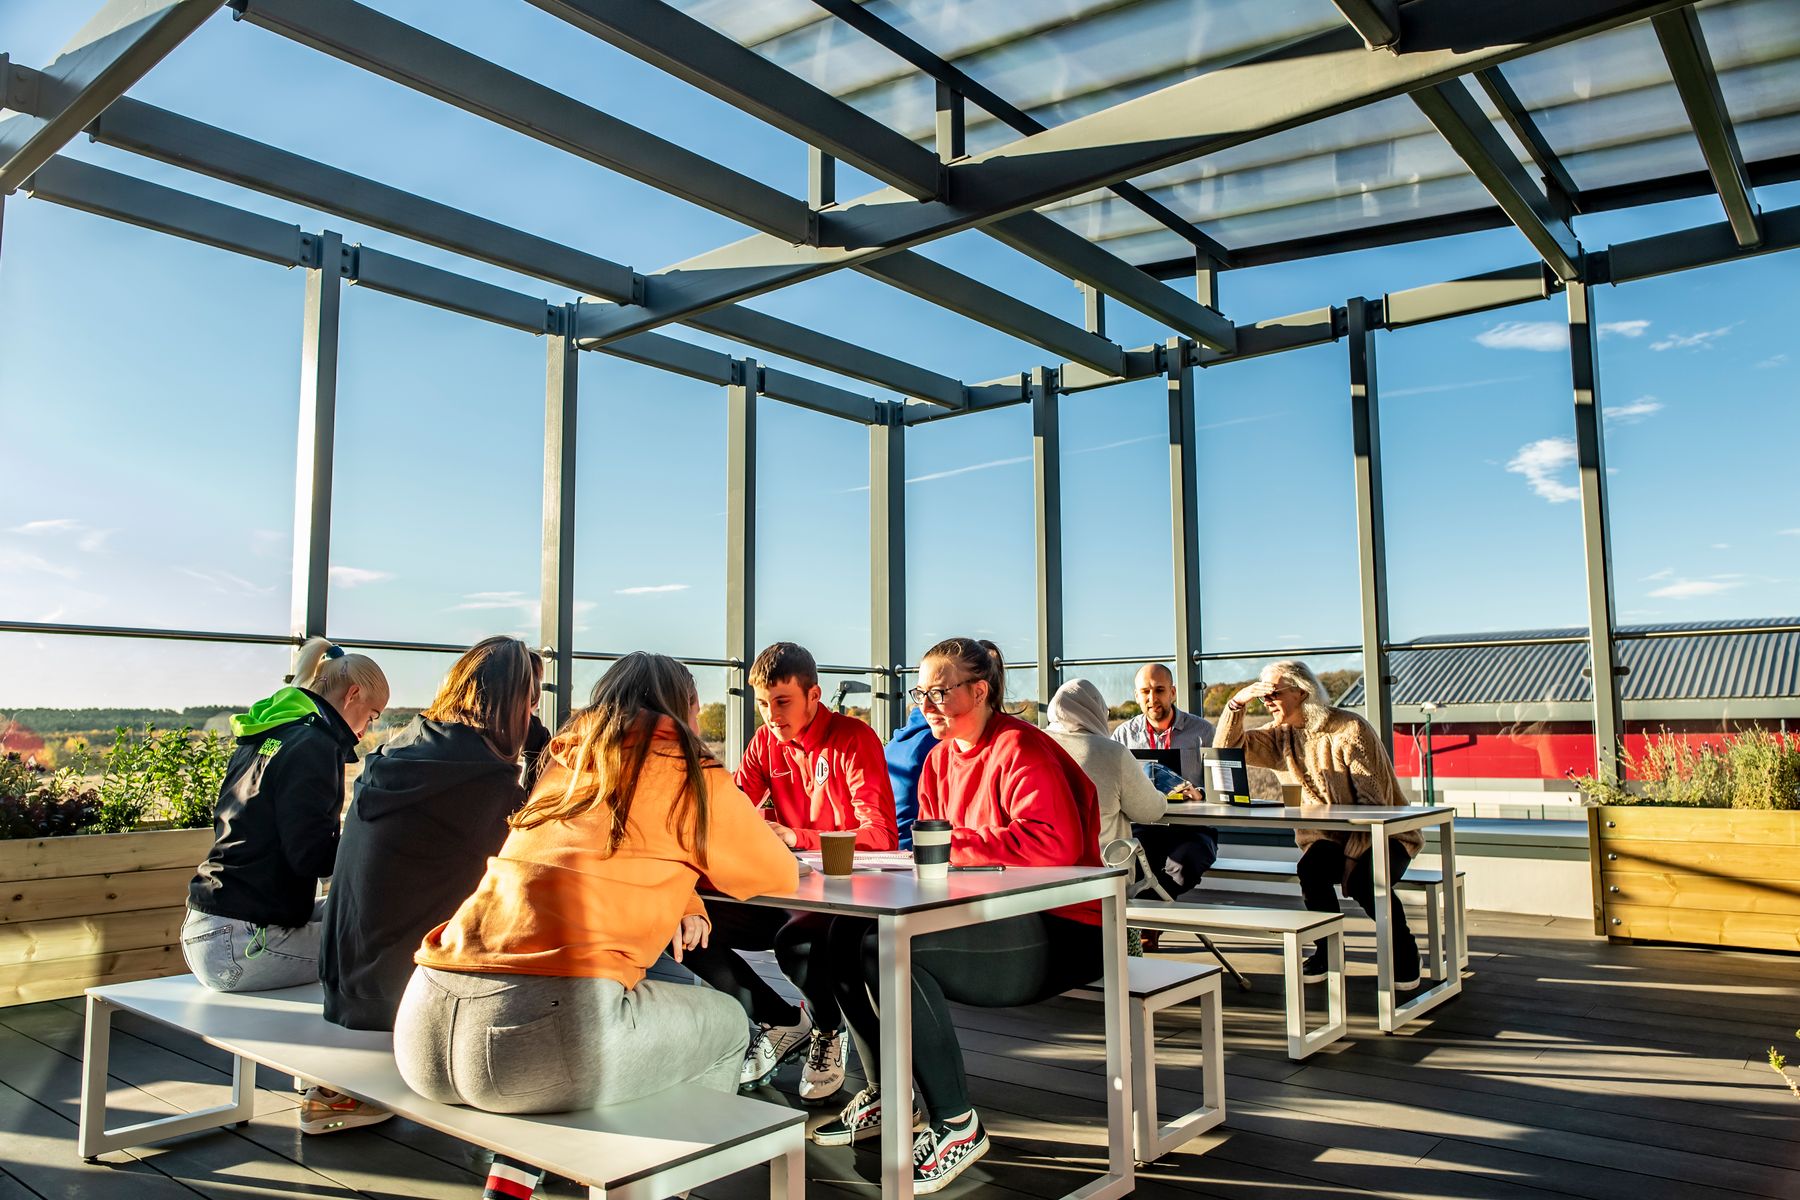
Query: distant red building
[{"x": 16, "y": 739}]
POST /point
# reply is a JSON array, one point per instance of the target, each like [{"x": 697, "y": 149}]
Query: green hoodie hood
[{"x": 288, "y": 705}]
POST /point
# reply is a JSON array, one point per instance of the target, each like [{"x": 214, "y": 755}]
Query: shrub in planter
[
  {"x": 169, "y": 776},
  {"x": 1752, "y": 770},
  {"x": 36, "y": 804}
]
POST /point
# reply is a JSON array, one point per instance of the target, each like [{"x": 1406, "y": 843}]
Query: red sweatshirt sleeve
[
  {"x": 752, "y": 775},
  {"x": 1038, "y": 822}
]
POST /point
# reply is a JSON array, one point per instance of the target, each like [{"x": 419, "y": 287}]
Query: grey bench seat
[{"x": 677, "y": 1139}]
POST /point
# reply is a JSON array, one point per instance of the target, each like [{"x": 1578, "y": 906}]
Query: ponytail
[
  {"x": 328, "y": 670},
  {"x": 978, "y": 660}
]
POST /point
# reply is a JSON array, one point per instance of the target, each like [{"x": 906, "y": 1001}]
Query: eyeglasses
[{"x": 936, "y": 695}]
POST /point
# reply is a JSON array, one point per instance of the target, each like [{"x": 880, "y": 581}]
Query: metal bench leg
[
  {"x": 1151, "y": 1139},
  {"x": 1462, "y": 926},
  {"x": 1434, "y": 931},
  {"x": 93, "y": 1138},
  {"x": 1302, "y": 1044}
]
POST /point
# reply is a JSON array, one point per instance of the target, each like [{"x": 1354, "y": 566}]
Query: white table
[
  {"x": 904, "y": 908},
  {"x": 1380, "y": 823}
]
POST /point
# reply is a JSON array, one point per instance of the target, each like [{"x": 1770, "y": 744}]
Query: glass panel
[
  {"x": 1703, "y": 390},
  {"x": 149, "y": 465},
  {"x": 1480, "y": 488},
  {"x": 971, "y": 563},
  {"x": 1340, "y": 673},
  {"x": 650, "y": 511},
  {"x": 1117, "y": 552},
  {"x": 57, "y": 686},
  {"x": 1755, "y": 48},
  {"x": 437, "y": 503},
  {"x": 1277, "y": 503}
]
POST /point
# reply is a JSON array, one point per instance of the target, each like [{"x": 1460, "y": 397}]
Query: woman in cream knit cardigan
[{"x": 1337, "y": 758}]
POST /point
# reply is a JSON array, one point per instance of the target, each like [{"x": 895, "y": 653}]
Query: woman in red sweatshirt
[{"x": 1015, "y": 797}]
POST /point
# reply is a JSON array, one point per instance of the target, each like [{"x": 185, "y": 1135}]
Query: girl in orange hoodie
[{"x": 532, "y": 998}]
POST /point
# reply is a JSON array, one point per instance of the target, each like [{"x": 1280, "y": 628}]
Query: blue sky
[{"x": 147, "y": 392}]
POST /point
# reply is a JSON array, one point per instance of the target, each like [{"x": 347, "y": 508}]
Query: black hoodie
[{"x": 428, "y": 810}]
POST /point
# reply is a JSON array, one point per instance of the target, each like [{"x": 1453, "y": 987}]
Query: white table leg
[
  {"x": 1455, "y": 936},
  {"x": 894, "y": 958},
  {"x": 1120, "y": 1168},
  {"x": 1384, "y": 926}
]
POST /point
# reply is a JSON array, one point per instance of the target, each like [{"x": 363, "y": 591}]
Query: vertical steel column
[
  {"x": 1206, "y": 281},
  {"x": 1093, "y": 308},
  {"x": 887, "y": 567},
  {"x": 740, "y": 553},
  {"x": 556, "y": 604},
  {"x": 952, "y": 124},
  {"x": 1184, "y": 519},
  {"x": 1046, "y": 484},
  {"x": 318, "y": 431},
  {"x": 1371, "y": 537},
  {"x": 1596, "y": 532}
]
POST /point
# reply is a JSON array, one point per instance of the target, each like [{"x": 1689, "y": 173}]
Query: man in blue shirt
[{"x": 1178, "y": 854}]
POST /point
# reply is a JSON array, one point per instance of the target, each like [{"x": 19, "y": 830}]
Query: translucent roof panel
[{"x": 1607, "y": 105}]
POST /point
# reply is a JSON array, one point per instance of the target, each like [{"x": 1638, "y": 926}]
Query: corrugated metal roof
[{"x": 1739, "y": 666}]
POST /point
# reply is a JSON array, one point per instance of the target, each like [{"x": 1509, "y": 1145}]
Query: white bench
[
  {"x": 677, "y": 1139},
  {"x": 1286, "y": 927},
  {"x": 1417, "y": 879},
  {"x": 1153, "y": 985}
]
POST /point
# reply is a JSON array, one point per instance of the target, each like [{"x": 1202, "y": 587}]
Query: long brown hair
[
  {"x": 491, "y": 688},
  {"x": 604, "y": 747}
]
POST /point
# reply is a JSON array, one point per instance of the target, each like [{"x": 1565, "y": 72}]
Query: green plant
[
  {"x": 1755, "y": 769},
  {"x": 1778, "y": 1061},
  {"x": 37, "y": 803},
  {"x": 171, "y": 775}
]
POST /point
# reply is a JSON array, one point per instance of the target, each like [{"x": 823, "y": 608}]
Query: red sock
[{"x": 509, "y": 1180}]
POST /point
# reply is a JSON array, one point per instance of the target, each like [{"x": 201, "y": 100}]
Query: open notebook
[{"x": 866, "y": 860}]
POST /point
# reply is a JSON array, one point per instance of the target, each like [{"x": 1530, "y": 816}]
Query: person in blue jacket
[{"x": 905, "y": 758}]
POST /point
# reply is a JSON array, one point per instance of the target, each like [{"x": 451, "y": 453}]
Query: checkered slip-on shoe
[{"x": 946, "y": 1150}]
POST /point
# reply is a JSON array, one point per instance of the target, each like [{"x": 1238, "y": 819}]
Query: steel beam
[
  {"x": 1292, "y": 85},
  {"x": 1184, "y": 519},
  {"x": 1703, "y": 246},
  {"x": 1596, "y": 530},
  {"x": 1451, "y": 108},
  {"x": 73, "y": 183},
  {"x": 1459, "y": 297},
  {"x": 556, "y": 597},
  {"x": 692, "y": 51},
  {"x": 866, "y": 22},
  {"x": 318, "y": 435},
  {"x": 887, "y": 569},
  {"x": 740, "y": 556},
  {"x": 1684, "y": 47},
  {"x": 111, "y": 52},
  {"x": 1371, "y": 539},
  {"x": 397, "y": 51},
  {"x": 1046, "y": 506},
  {"x": 380, "y": 271},
  {"x": 1558, "y": 182},
  {"x": 1378, "y": 21}
]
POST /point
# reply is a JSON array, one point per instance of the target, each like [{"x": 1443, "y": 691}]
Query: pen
[{"x": 981, "y": 867}]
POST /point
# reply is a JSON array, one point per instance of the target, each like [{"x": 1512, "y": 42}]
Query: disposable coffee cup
[
  {"x": 931, "y": 849},
  {"x": 837, "y": 850}
]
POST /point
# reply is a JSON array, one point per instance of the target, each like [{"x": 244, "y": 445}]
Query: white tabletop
[
  {"x": 873, "y": 893},
  {"x": 1310, "y": 816}
]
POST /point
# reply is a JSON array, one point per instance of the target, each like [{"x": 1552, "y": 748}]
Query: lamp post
[{"x": 1425, "y": 767}]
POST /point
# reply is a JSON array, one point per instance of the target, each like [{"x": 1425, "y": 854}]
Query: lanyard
[{"x": 1150, "y": 735}]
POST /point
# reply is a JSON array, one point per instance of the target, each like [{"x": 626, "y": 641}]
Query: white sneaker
[
  {"x": 823, "y": 1075},
  {"x": 770, "y": 1046}
]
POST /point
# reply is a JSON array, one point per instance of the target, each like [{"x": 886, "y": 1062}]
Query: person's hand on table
[
  {"x": 694, "y": 931},
  {"x": 1190, "y": 794},
  {"x": 786, "y": 835}
]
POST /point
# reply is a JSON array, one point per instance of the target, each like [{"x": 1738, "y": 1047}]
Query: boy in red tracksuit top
[{"x": 813, "y": 770}]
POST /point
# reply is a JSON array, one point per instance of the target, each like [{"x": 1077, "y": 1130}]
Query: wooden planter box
[
  {"x": 1709, "y": 876},
  {"x": 101, "y": 908}
]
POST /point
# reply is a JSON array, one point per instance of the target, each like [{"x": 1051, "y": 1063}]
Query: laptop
[
  {"x": 1168, "y": 758},
  {"x": 1226, "y": 779}
]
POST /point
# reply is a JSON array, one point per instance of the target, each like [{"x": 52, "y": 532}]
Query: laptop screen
[{"x": 1168, "y": 758}]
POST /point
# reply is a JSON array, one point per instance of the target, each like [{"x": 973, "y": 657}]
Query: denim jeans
[{"x": 235, "y": 956}]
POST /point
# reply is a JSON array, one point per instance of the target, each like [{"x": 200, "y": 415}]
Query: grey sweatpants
[
  {"x": 534, "y": 1043},
  {"x": 236, "y": 956}
]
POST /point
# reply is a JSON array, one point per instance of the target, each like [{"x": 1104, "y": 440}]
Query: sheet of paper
[{"x": 866, "y": 860}]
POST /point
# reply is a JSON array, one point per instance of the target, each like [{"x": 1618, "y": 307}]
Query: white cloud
[
  {"x": 355, "y": 577},
  {"x": 22, "y": 560},
  {"x": 52, "y": 525},
  {"x": 268, "y": 543},
  {"x": 1546, "y": 337},
  {"x": 1691, "y": 341},
  {"x": 1136, "y": 441},
  {"x": 1540, "y": 462},
  {"x": 1662, "y": 574},
  {"x": 1637, "y": 410},
  {"x": 1774, "y": 360},
  {"x": 650, "y": 589},
  {"x": 93, "y": 541},
  {"x": 226, "y": 583},
  {"x": 1463, "y": 386},
  {"x": 1630, "y": 329},
  {"x": 982, "y": 466},
  {"x": 1788, "y": 532},
  {"x": 1721, "y": 545},
  {"x": 485, "y": 601},
  {"x": 1684, "y": 589}
]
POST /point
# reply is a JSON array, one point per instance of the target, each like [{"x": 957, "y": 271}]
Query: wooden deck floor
[{"x": 1569, "y": 1067}]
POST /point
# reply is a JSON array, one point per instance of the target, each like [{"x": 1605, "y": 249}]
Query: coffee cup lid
[{"x": 932, "y": 824}]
